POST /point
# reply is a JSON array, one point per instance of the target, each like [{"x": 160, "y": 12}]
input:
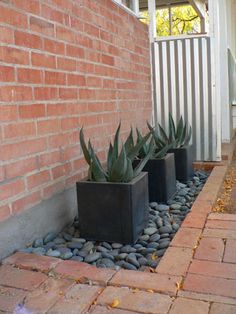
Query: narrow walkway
[{"x": 197, "y": 275}]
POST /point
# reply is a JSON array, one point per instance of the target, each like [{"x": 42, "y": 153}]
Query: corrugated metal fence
[{"x": 183, "y": 86}]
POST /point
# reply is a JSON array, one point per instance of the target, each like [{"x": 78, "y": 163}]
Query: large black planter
[
  {"x": 161, "y": 178},
  {"x": 183, "y": 162},
  {"x": 115, "y": 212}
]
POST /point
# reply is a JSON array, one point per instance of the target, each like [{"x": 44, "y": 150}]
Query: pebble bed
[{"x": 164, "y": 222}]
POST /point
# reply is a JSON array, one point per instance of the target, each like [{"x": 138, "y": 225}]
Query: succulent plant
[
  {"x": 119, "y": 162},
  {"x": 178, "y": 136}
]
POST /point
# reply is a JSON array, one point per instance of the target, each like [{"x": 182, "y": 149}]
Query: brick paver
[
  {"x": 219, "y": 308},
  {"x": 211, "y": 249},
  {"x": 188, "y": 306},
  {"x": 141, "y": 301},
  {"x": 197, "y": 274},
  {"x": 230, "y": 251},
  {"x": 146, "y": 281}
]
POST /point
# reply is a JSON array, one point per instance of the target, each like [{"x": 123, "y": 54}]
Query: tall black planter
[
  {"x": 161, "y": 178},
  {"x": 183, "y": 162},
  {"x": 115, "y": 212}
]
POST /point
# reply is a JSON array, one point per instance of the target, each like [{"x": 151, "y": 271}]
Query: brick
[
  {"x": 19, "y": 130},
  {"x": 38, "y": 179},
  {"x": 6, "y": 35},
  {"x": 104, "y": 310},
  {"x": 28, "y": 40},
  {"x": 70, "y": 123},
  {"x": 206, "y": 297},
  {"x": 45, "y": 93},
  {"x": 77, "y": 300},
  {"x": 54, "y": 46},
  {"x": 48, "y": 159},
  {"x": 211, "y": 249},
  {"x": 218, "y": 308},
  {"x": 21, "y": 279},
  {"x": 213, "y": 269},
  {"x": 8, "y": 113},
  {"x": 55, "y": 78},
  {"x": 146, "y": 281},
  {"x": 14, "y": 55},
  {"x": 42, "y": 299},
  {"x": 68, "y": 93},
  {"x": 2, "y": 173},
  {"x": 32, "y": 111},
  {"x": 15, "y": 93},
  {"x": 107, "y": 60},
  {"x": 175, "y": 261},
  {"x": 211, "y": 285},
  {"x": 230, "y": 251},
  {"x": 43, "y": 60},
  {"x": 53, "y": 188},
  {"x": 61, "y": 171},
  {"x": 32, "y": 262},
  {"x": 5, "y": 212},
  {"x": 75, "y": 51},
  {"x": 75, "y": 79},
  {"x": 182, "y": 305},
  {"x": 10, "y": 298},
  {"x": 7, "y": 74},
  {"x": 201, "y": 206},
  {"x": 11, "y": 188},
  {"x": 225, "y": 217},
  {"x": 66, "y": 64},
  {"x": 12, "y": 17},
  {"x": 65, "y": 34},
  {"x": 141, "y": 301},
  {"x": 29, "y": 76},
  {"x": 41, "y": 26},
  {"x": 22, "y": 148},
  {"x": 186, "y": 237},
  {"x": 26, "y": 202},
  {"x": 219, "y": 233},
  {"x": 82, "y": 271},
  {"x": 221, "y": 224},
  {"x": 20, "y": 167},
  {"x": 52, "y": 14},
  {"x": 194, "y": 220},
  {"x": 48, "y": 126},
  {"x": 31, "y": 6}
]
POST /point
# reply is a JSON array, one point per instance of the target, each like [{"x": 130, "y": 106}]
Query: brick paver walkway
[{"x": 197, "y": 275}]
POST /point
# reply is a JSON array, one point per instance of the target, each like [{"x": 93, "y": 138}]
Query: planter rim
[
  {"x": 182, "y": 147},
  {"x": 166, "y": 156},
  {"x": 141, "y": 175}
]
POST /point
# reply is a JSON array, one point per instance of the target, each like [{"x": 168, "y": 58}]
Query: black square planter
[
  {"x": 114, "y": 212},
  {"x": 161, "y": 178},
  {"x": 183, "y": 162}
]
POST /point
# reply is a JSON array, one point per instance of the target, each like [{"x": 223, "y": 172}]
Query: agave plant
[
  {"x": 119, "y": 162},
  {"x": 151, "y": 145},
  {"x": 178, "y": 136}
]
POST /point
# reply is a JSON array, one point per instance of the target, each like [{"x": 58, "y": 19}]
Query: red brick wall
[{"x": 64, "y": 64}]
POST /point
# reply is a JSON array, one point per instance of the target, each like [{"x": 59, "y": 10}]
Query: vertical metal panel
[{"x": 184, "y": 87}]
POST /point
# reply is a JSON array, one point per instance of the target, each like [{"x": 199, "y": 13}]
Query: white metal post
[
  {"x": 135, "y": 7},
  {"x": 152, "y": 16},
  {"x": 214, "y": 31}
]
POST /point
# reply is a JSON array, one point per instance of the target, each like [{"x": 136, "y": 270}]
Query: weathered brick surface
[
  {"x": 10, "y": 298},
  {"x": 214, "y": 269},
  {"x": 76, "y": 300},
  {"x": 140, "y": 301},
  {"x": 230, "y": 251},
  {"x": 83, "y": 272},
  {"x": 146, "y": 281},
  {"x": 32, "y": 262},
  {"x": 175, "y": 261},
  {"x": 211, "y": 285},
  {"x": 64, "y": 66},
  {"x": 19, "y": 278},
  {"x": 186, "y": 237},
  {"x": 218, "y": 308},
  {"x": 105, "y": 309},
  {"x": 211, "y": 249},
  {"x": 182, "y": 305}
]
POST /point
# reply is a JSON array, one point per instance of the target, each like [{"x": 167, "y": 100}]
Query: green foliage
[
  {"x": 179, "y": 135},
  {"x": 184, "y": 21},
  {"x": 119, "y": 162}
]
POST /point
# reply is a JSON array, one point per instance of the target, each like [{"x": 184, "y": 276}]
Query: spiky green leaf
[
  {"x": 119, "y": 167},
  {"x": 85, "y": 150}
]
